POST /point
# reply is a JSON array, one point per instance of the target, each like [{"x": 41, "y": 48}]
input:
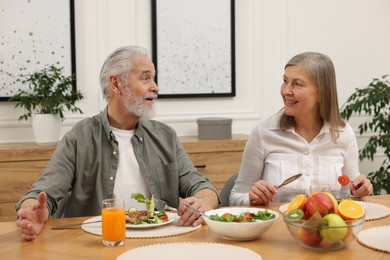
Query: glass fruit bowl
[{"x": 324, "y": 233}]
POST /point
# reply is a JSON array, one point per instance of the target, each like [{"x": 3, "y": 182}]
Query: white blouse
[{"x": 273, "y": 155}]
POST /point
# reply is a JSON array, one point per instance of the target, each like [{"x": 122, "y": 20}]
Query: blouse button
[
  {"x": 114, "y": 152},
  {"x": 111, "y": 178},
  {"x": 307, "y": 152}
]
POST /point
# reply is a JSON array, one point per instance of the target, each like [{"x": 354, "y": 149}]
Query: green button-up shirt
[{"x": 85, "y": 163}]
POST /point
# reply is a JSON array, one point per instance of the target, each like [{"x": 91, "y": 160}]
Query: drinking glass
[
  {"x": 113, "y": 222},
  {"x": 319, "y": 188}
]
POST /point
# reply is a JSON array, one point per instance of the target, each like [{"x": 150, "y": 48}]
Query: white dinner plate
[
  {"x": 283, "y": 208},
  {"x": 171, "y": 218}
]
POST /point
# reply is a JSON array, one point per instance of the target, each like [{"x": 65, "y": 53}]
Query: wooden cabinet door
[{"x": 217, "y": 167}]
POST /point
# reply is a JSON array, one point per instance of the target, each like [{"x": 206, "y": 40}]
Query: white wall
[{"x": 354, "y": 33}]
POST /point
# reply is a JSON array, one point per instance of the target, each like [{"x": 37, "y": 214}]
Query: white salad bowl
[{"x": 239, "y": 231}]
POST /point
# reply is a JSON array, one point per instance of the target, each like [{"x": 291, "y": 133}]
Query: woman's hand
[
  {"x": 262, "y": 193},
  {"x": 361, "y": 186}
]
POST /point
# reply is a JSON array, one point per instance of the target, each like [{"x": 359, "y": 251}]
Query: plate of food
[{"x": 141, "y": 219}]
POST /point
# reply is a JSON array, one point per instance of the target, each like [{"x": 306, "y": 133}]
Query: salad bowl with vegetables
[{"x": 240, "y": 224}]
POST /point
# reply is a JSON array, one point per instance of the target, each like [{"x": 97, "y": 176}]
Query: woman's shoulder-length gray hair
[{"x": 322, "y": 71}]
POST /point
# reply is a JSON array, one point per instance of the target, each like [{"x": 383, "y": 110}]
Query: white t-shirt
[
  {"x": 129, "y": 178},
  {"x": 273, "y": 155}
]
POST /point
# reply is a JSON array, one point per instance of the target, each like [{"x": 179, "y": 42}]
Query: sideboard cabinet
[{"x": 21, "y": 164}]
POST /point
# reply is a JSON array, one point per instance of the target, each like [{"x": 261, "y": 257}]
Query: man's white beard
[{"x": 137, "y": 106}]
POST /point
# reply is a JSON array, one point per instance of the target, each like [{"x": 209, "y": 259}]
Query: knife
[{"x": 74, "y": 225}]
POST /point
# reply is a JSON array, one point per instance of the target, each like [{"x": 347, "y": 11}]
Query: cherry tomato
[
  {"x": 164, "y": 218},
  {"x": 343, "y": 180}
]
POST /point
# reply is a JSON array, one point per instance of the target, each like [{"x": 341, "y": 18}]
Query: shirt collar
[
  {"x": 139, "y": 132},
  {"x": 106, "y": 125}
]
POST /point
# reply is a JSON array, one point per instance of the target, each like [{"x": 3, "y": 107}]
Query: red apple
[
  {"x": 336, "y": 204},
  {"x": 309, "y": 236},
  {"x": 309, "y": 233},
  {"x": 319, "y": 202}
]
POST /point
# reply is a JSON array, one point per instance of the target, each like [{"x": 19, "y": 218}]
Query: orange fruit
[
  {"x": 350, "y": 209},
  {"x": 298, "y": 202}
]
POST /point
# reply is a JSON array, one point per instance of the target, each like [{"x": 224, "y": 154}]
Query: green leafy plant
[
  {"x": 374, "y": 101},
  {"x": 50, "y": 92}
]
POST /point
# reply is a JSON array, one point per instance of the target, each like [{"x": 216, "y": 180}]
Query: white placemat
[
  {"x": 171, "y": 229},
  {"x": 374, "y": 211},
  {"x": 190, "y": 251},
  {"x": 376, "y": 238}
]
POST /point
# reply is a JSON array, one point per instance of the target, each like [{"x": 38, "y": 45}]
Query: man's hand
[
  {"x": 203, "y": 200},
  {"x": 32, "y": 215}
]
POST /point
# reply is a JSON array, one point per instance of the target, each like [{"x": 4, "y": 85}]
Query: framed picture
[
  {"x": 34, "y": 35},
  {"x": 193, "y": 48}
]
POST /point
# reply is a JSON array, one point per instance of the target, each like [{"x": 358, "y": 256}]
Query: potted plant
[
  {"x": 374, "y": 101},
  {"x": 49, "y": 95}
]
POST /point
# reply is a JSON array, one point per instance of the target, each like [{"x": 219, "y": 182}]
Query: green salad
[
  {"x": 244, "y": 217},
  {"x": 155, "y": 218},
  {"x": 140, "y": 217}
]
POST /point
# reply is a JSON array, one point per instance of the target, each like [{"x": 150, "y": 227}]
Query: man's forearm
[
  {"x": 209, "y": 197},
  {"x": 28, "y": 203},
  {"x": 31, "y": 203}
]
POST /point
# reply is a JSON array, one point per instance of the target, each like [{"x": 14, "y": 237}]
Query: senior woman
[{"x": 307, "y": 136}]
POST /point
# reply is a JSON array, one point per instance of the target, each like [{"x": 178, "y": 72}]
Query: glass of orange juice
[{"x": 113, "y": 222}]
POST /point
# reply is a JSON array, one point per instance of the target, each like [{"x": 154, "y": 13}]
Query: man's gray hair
[{"x": 118, "y": 63}]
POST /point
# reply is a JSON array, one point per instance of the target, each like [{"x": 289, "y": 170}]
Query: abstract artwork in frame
[
  {"x": 33, "y": 36},
  {"x": 193, "y": 48}
]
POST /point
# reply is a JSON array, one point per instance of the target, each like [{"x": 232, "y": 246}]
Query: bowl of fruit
[
  {"x": 240, "y": 224},
  {"x": 321, "y": 222}
]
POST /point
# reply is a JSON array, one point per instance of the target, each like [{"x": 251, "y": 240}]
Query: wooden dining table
[{"x": 276, "y": 243}]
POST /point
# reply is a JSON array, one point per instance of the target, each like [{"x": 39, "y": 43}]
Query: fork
[
  {"x": 162, "y": 205},
  {"x": 188, "y": 206}
]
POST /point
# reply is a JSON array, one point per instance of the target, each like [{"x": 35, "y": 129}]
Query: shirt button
[
  {"x": 111, "y": 178},
  {"x": 307, "y": 152},
  {"x": 307, "y": 173},
  {"x": 114, "y": 152}
]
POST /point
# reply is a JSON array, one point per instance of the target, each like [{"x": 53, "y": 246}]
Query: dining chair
[{"x": 225, "y": 192}]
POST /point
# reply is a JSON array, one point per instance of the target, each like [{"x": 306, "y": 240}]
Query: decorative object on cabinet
[
  {"x": 199, "y": 62},
  {"x": 214, "y": 128},
  {"x": 374, "y": 101},
  {"x": 49, "y": 95}
]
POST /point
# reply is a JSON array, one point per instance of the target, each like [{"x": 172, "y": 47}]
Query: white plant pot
[{"x": 46, "y": 128}]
